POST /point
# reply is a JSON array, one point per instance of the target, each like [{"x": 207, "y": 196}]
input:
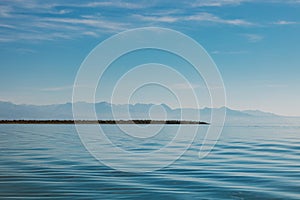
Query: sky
[{"x": 255, "y": 45}]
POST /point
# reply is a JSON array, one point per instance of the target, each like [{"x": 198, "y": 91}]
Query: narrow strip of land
[{"x": 100, "y": 122}]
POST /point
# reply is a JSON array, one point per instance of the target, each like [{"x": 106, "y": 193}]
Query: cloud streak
[
  {"x": 56, "y": 89},
  {"x": 253, "y": 37},
  {"x": 213, "y": 18},
  {"x": 51, "y": 20},
  {"x": 89, "y": 21},
  {"x": 216, "y": 3},
  {"x": 283, "y": 22},
  {"x": 229, "y": 52},
  {"x": 200, "y": 17},
  {"x": 116, "y": 4}
]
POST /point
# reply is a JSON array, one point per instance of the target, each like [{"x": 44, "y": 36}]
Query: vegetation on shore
[{"x": 100, "y": 122}]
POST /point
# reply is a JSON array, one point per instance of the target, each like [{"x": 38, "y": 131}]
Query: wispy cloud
[
  {"x": 289, "y": 1},
  {"x": 5, "y": 11},
  {"x": 7, "y": 26},
  {"x": 26, "y": 51},
  {"x": 253, "y": 37},
  {"x": 213, "y": 18},
  {"x": 200, "y": 17},
  {"x": 55, "y": 89},
  {"x": 49, "y": 28},
  {"x": 216, "y": 3},
  {"x": 90, "y": 21},
  {"x": 168, "y": 19},
  {"x": 3, "y": 39},
  {"x": 28, "y": 21},
  {"x": 50, "y": 20},
  {"x": 283, "y": 22},
  {"x": 116, "y": 4},
  {"x": 229, "y": 52},
  {"x": 90, "y": 33}
]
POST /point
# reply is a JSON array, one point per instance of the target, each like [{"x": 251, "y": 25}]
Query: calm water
[{"x": 49, "y": 161}]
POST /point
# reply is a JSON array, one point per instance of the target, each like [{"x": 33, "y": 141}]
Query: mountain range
[{"x": 104, "y": 110}]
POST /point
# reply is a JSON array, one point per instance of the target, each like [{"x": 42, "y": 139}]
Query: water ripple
[{"x": 46, "y": 162}]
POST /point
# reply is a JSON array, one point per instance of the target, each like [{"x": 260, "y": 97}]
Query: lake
[{"x": 248, "y": 162}]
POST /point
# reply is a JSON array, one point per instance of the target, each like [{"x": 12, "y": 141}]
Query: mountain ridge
[{"x": 108, "y": 111}]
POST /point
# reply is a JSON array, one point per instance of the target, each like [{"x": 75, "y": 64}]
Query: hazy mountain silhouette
[{"x": 106, "y": 110}]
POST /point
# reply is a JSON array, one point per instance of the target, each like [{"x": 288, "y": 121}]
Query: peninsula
[{"x": 100, "y": 122}]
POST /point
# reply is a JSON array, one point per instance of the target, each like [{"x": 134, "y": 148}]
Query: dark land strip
[{"x": 100, "y": 122}]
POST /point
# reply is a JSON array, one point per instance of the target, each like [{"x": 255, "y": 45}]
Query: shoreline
[{"x": 101, "y": 122}]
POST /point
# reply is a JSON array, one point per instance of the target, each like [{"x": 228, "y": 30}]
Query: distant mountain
[
  {"x": 260, "y": 113},
  {"x": 13, "y": 111},
  {"x": 106, "y": 110}
]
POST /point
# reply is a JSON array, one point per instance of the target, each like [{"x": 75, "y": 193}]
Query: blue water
[{"x": 49, "y": 161}]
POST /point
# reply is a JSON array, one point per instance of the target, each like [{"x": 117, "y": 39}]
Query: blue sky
[{"x": 255, "y": 45}]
